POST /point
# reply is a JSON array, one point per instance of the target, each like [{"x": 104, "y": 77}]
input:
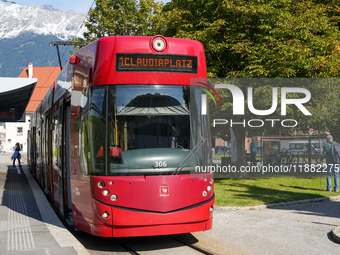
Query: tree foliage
[
  {"x": 266, "y": 39},
  {"x": 120, "y": 17},
  {"x": 279, "y": 38}
]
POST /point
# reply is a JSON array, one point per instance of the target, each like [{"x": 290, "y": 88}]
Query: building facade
[{"x": 16, "y": 132}]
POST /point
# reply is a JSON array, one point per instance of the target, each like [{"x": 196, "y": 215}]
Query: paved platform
[{"x": 28, "y": 225}]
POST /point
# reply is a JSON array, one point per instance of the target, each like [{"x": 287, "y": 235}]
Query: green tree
[
  {"x": 258, "y": 38},
  {"x": 279, "y": 38},
  {"x": 120, "y": 17}
]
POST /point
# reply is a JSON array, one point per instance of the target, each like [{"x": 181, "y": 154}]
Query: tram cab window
[{"x": 126, "y": 128}]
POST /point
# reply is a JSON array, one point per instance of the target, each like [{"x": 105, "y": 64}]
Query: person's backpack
[{"x": 336, "y": 153}]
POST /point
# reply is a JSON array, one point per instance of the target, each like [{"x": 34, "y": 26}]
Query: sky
[{"x": 82, "y": 6}]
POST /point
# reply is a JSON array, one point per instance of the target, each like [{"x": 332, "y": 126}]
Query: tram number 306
[{"x": 160, "y": 164}]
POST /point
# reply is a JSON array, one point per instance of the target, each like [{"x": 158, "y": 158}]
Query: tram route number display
[{"x": 134, "y": 62}]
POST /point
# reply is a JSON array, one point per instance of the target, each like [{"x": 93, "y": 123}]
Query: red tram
[{"x": 115, "y": 141}]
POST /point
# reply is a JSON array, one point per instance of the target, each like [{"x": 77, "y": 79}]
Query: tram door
[
  {"x": 65, "y": 182},
  {"x": 42, "y": 155},
  {"x": 38, "y": 153},
  {"x": 46, "y": 178},
  {"x": 29, "y": 135},
  {"x": 32, "y": 150}
]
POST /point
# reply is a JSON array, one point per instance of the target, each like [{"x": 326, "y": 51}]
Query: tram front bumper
[{"x": 120, "y": 222}]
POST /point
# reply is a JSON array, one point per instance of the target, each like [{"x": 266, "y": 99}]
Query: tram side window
[{"x": 92, "y": 131}]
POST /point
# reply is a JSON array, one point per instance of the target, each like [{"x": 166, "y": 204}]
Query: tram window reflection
[{"x": 126, "y": 127}]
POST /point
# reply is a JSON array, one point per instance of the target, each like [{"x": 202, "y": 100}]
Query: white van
[
  {"x": 222, "y": 149},
  {"x": 300, "y": 146}
]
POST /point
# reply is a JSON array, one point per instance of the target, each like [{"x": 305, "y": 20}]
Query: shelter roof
[{"x": 15, "y": 94}]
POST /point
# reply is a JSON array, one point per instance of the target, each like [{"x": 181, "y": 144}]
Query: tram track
[
  {"x": 195, "y": 247},
  {"x": 131, "y": 247},
  {"x": 128, "y": 248}
]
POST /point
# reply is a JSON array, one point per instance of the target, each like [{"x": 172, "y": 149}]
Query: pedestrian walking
[
  {"x": 331, "y": 165},
  {"x": 16, "y": 154},
  {"x": 253, "y": 151}
]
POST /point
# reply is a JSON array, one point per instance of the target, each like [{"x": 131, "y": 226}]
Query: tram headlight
[
  {"x": 101, "y": 184},
  {"x": 209, "y": 188},
  {"x": 114, "y": 197},
  {"x": 106, "y": 215},
  {"x": 205, "y": 193},
  {"x": 106, "y": 192},
  {"x": 211, "y": 209},
  {"x": 211, "y": 180}
]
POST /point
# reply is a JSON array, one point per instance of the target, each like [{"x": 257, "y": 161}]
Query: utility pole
[{"x": 57, "y": 43}]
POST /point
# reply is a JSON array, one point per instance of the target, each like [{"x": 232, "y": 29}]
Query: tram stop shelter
[{"x": 15, "y": 94}]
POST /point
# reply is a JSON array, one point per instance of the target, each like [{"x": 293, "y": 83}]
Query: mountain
[
  {"x": 42, "y": 20},
  {"x": 26, "y": 31},
  {"x": 17, "y": 52}
]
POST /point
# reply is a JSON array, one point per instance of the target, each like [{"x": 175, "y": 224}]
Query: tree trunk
[
  {"x": 240, "y": 133},
  {"x": 335, "y": 132}
]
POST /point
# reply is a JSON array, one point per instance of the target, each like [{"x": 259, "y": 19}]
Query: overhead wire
[
  {"x": 62, "y": 56},
  {"x": 79, "y": 28}
]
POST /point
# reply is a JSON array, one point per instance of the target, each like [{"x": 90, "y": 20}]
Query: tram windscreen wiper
[{"x": 188, "y": 157}]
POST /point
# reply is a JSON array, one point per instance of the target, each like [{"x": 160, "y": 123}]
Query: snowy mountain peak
[{"x": 44, "y": 20}]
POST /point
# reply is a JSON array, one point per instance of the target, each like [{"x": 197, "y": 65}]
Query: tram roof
[{"x": 99, "y": 63}]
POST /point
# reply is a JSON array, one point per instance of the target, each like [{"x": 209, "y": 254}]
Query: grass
[
  {"x": 219, "y": 156},
  {"x": 250, "y": 192}
]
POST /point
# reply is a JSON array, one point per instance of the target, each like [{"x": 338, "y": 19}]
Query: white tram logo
[{"x": 164, "y": 191}]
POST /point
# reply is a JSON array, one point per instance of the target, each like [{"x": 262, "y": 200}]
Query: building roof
[{"x": 46, "y": 76}]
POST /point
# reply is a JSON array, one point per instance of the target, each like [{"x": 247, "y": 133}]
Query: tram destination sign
[{"x": 136, "y": 62}]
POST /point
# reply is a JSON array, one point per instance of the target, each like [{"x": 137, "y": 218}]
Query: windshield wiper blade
[{"x": 188, "y": 157}]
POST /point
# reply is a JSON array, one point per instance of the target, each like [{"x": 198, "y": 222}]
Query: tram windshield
[{"x": 141, "y": 129}]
